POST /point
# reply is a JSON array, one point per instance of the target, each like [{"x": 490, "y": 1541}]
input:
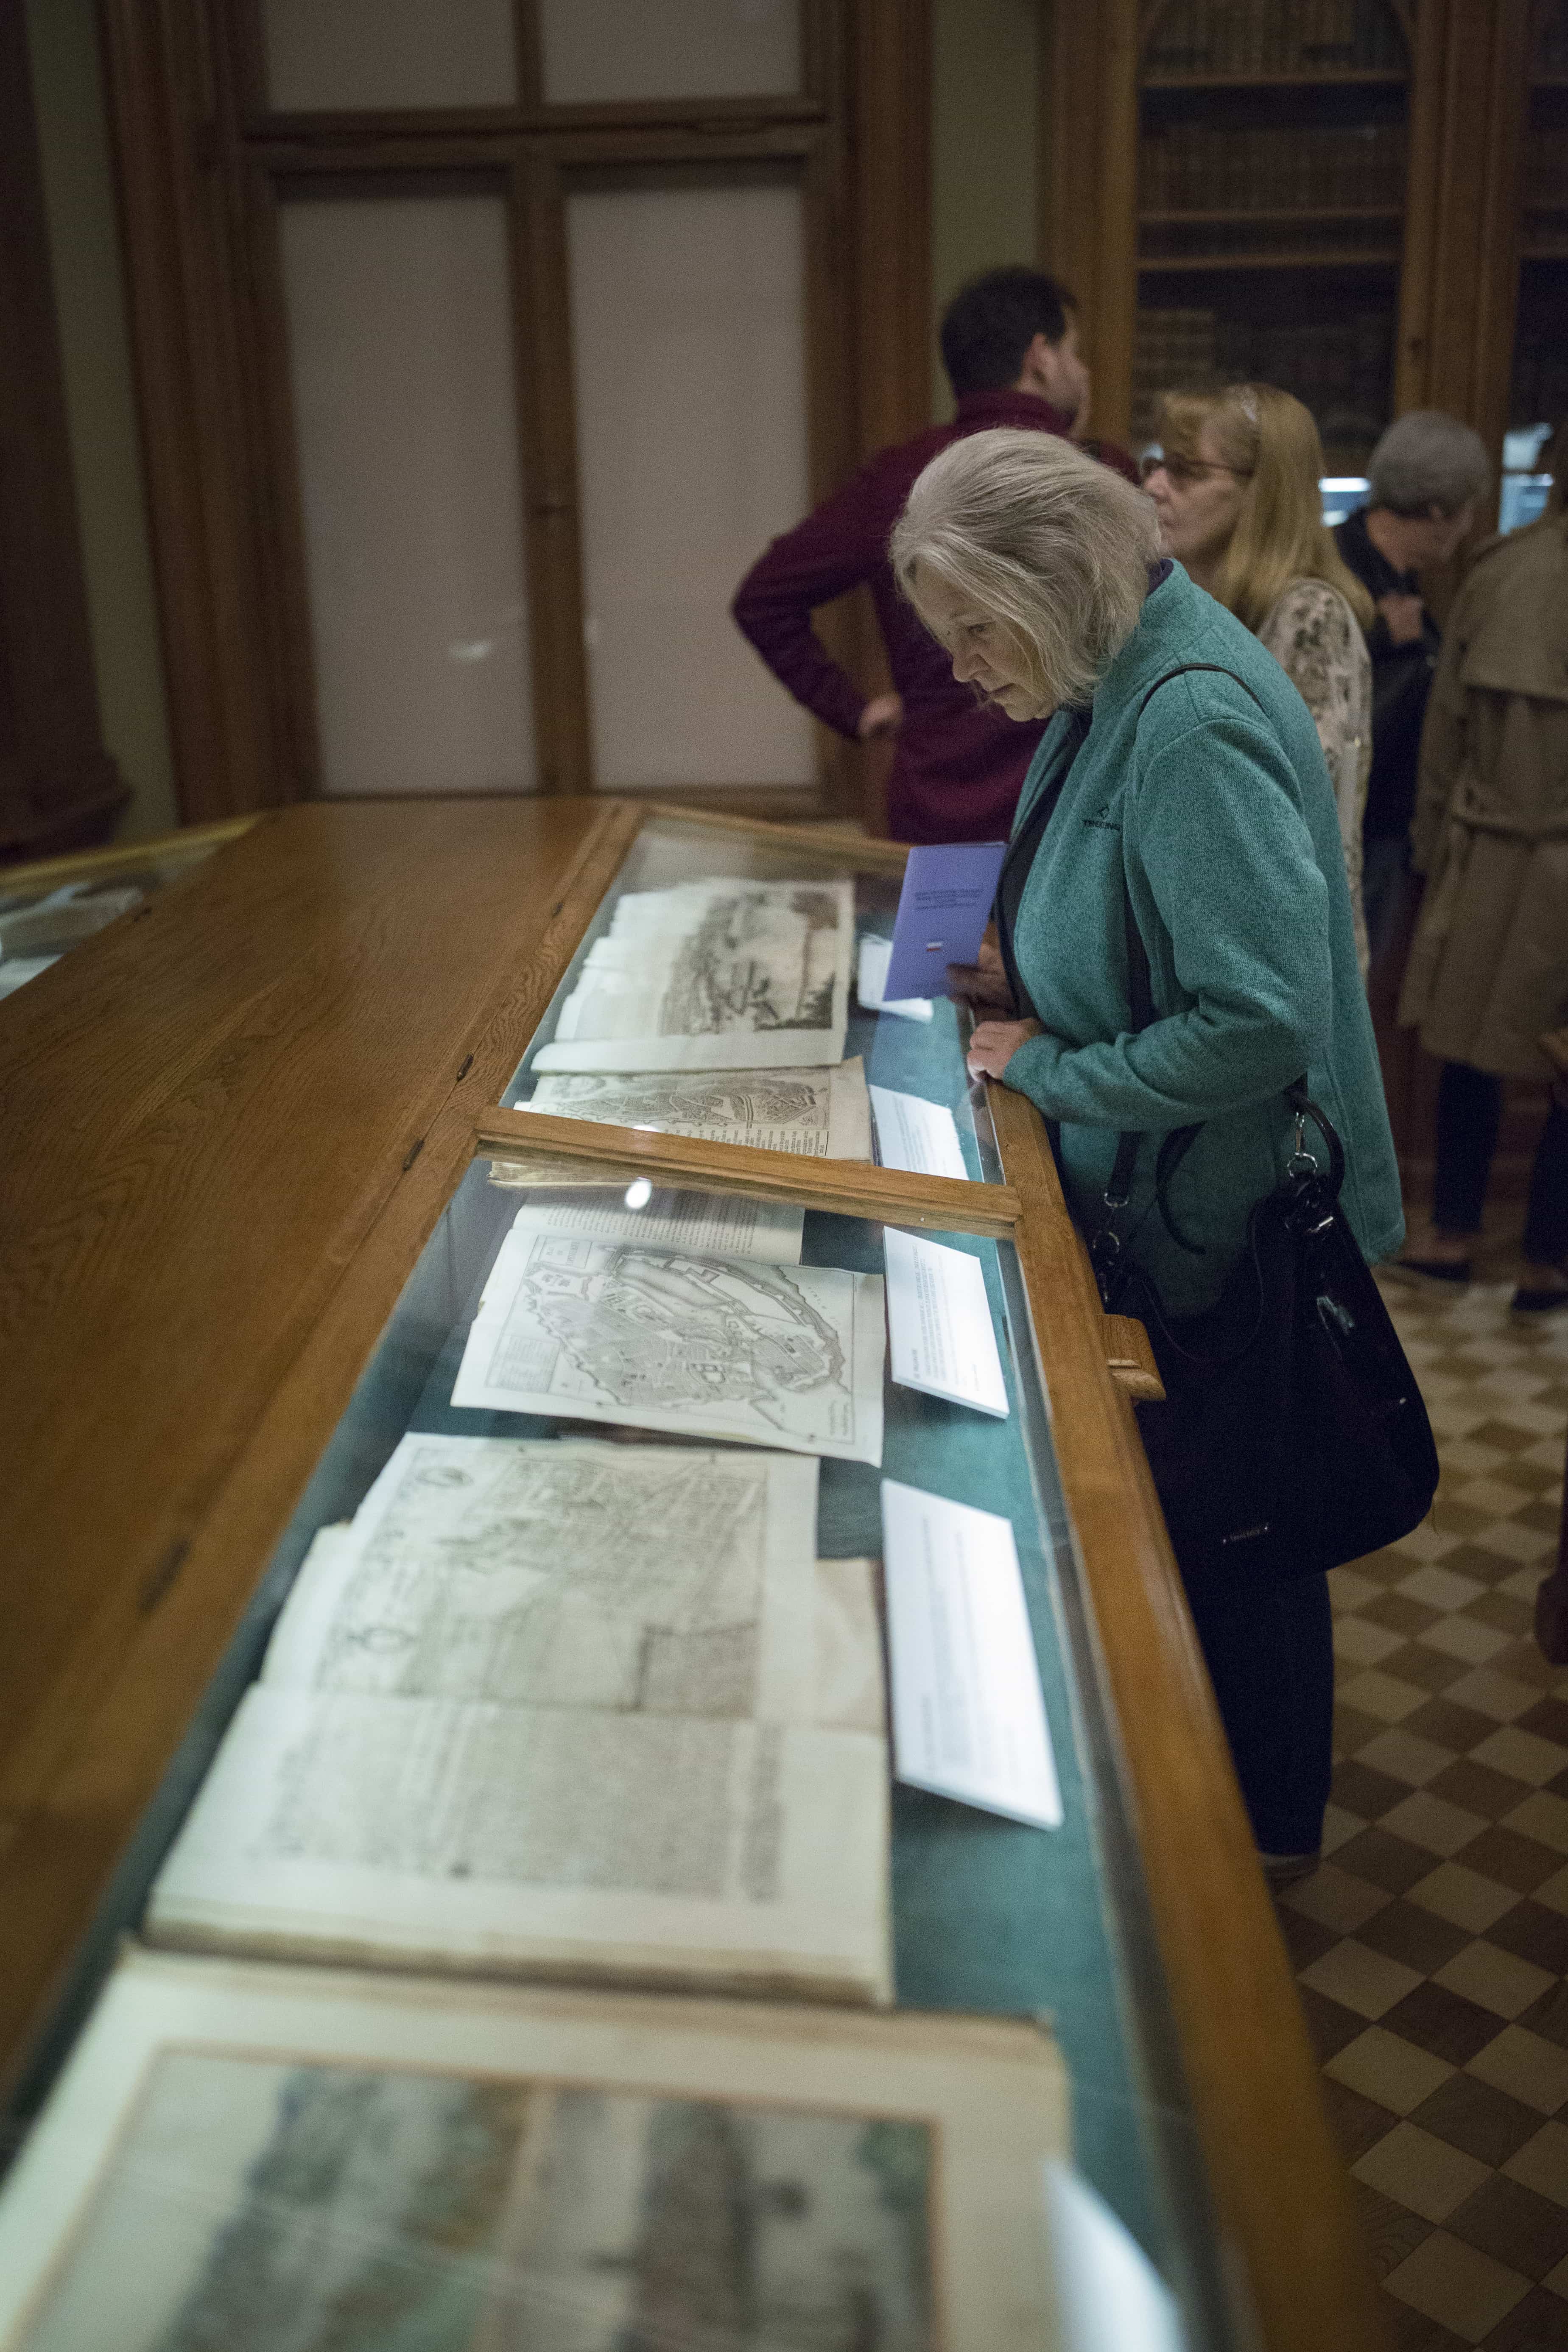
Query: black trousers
[
  {"x": 1469, "y": 1112},
  {"x": 1270, "y": 1656}
]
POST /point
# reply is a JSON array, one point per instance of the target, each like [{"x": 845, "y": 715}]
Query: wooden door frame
[{"x": 197, "y": 168}]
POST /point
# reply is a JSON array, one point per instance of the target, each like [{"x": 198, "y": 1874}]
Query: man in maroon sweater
[{"x": 1009, "y": 343}]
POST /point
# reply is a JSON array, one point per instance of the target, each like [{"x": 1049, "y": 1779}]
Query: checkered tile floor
[{"x": 1431, "y": 1948}]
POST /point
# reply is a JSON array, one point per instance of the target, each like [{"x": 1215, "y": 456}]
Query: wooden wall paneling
[
  {"x": 289, "y": 650},
  {"x": 1413, "y": 338},
  {"x": 59, "y": 785},
  {"x": 1499, "y": 226},
  {"x": 841, "y": 343},
  {"x": 891, "y": 119},
  {"x": 1115, "y": 205},
  {"x": 1087, "y": 180},
  {"x": 1279, "y": 2186},
  {"x": 1459, "y": 284},
  {"x": 823, "y": 32},
  {"x": 879, "y": 256},
  {"x": 1068, "y": 163},
  {"x": 182, "y": 264},
  {"x": 547, "y": 469}
]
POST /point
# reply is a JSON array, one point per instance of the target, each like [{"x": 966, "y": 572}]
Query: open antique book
[
  {"x": 561, "y": 1708},
  {"x": 253, "y": 2156},
  {"x": 721, "y": 974}
]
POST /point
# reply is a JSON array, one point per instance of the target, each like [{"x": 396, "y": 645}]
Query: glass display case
[
  {"x": 51, "y": 906},
  {"x": 693, "y": 1302}
]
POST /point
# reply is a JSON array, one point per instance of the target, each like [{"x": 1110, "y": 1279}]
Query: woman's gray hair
[
  {"x": 1425, "y": 460},
  {"x": 1051, "y": 545}
]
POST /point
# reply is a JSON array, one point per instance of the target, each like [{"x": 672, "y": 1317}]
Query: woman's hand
[
  {"x": 882, "y": 716},
  {"x": 985, "y": 982},
  {"x": 995, "y": 1043}
]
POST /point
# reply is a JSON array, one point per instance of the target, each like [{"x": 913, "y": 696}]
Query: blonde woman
[
  {"x": 1235, "y": 488},
  {"x": 1179, "y": 777}
]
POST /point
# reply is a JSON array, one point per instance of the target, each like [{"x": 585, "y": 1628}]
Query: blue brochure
[{"x": 943, "y": 908}]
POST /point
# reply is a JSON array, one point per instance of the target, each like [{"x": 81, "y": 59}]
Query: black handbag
[{"x": 1293, "y": 1436}]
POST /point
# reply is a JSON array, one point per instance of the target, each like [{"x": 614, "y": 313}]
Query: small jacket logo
[{"x": 1105, "y": 818}]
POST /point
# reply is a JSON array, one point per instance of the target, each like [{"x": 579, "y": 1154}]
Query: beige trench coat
[{"x": 1489, "y": 967}]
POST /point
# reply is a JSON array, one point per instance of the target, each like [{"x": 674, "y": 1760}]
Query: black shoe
[
  {"x": 1451, "y": 1275},
  {"x": 1538, "y": 1302}
]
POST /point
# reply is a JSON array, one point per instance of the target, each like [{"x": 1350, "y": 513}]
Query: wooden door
[{"x": 482, "y": 347}]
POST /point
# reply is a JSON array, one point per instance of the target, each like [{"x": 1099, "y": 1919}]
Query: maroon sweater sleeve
[{"x": 831, "y": 551}]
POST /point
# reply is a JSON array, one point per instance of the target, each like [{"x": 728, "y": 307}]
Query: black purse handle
[{"x": 1106, "y": 1245}]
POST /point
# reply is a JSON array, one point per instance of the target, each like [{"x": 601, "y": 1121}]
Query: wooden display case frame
[{"x": 387, "y": 965}]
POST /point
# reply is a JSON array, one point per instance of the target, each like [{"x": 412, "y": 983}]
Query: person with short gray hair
[
  {"x": 1425, "y": 461},
  {"x": 1179, "y": 784},
  {"x": 1426, "y": 476}
]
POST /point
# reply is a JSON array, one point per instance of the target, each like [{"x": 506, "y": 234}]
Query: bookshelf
[
  {"x": 1333, "y": 195},
  {"x": 1538, "y": 386},
  {"x": 1273, "y": 170}
]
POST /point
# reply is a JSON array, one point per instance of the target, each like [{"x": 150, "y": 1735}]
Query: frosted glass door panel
[
  {"x": 350, "y": 55},
  {"x": 688, "y": 346},
  {"x": 603, "y": 50},
  {"x": 400, "y": 357}
]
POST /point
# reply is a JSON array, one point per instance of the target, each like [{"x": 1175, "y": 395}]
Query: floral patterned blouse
[{"x": 1316, "y": 639}]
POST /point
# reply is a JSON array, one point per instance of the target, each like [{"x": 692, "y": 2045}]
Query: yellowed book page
[
  {"x": 247, "y": 2155},
  {"x": 535, "y": 1840}
]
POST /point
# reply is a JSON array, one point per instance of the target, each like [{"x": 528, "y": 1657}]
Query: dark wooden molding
[
  {"x": 1460, "y": 284},
  {"x": 59, "y": 786},
  {"x": 184, "y": 281}
]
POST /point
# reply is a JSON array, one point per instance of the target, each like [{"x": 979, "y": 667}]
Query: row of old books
[
  {"x": 1213, "y": 167},
  {"x": 1340, "y": 367},
  {"x": 1276, "y": 37},
  {"x": 1546, "y": 164}
]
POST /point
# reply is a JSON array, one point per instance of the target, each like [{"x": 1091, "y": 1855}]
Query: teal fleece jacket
[{"x": 1220, "y": 815}]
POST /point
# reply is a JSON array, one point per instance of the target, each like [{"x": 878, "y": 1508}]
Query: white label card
[
  {"x": 939, "y": 1324},
  {"x": 913, "y": 1134},
  {"x": 969, "y": 1720}
]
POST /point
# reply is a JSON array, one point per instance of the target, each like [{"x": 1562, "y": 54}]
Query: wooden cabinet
[{"x": 1318, "y": 194}]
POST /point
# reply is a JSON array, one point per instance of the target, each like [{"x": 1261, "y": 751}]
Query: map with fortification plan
[
  {"x": 711, "y": 1347},
  {"x": 715, "y": 975}
]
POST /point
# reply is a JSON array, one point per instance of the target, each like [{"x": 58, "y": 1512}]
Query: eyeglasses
[{"x": 1184, "y": 471}]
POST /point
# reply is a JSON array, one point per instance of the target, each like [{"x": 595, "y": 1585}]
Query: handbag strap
[{"x": 1020, "y": 858}]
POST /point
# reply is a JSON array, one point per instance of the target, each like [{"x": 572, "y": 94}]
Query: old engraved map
[
  {"x": 665, "y": 1339},
  {"x": 566, "y": 1574},
  {"x": 820, "y": 1114},
  {"x": 714, "y": 975},
  {"x": 334, "y": 2208}
]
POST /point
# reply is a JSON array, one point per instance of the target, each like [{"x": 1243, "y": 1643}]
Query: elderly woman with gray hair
[{"x": 1181, "y": 778}]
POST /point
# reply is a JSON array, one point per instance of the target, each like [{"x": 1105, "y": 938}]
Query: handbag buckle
[{"x": 1301, "y": 1161}]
